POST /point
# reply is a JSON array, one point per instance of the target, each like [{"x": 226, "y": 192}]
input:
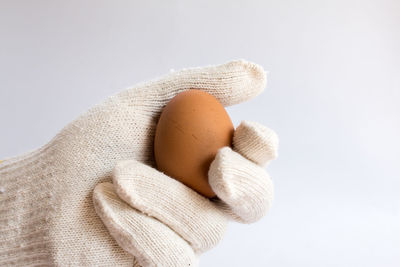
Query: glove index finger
[{"x": 231, "y": 83}]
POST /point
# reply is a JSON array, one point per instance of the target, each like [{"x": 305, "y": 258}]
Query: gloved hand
[{"x": 47, "y": 216}]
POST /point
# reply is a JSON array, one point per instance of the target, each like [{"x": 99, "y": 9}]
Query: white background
[{"x": 333, "y": 96}]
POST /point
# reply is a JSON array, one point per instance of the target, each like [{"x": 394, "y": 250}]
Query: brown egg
[{"x": 192, "y": 127}]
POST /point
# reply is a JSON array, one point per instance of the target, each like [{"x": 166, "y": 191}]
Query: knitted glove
[{"x": 49, "y": 197}]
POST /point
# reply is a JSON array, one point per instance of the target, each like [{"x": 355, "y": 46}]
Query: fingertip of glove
[
  {"x": 255, "y": 70},
  {"x": 256, "y": 142},
  {"x": 254, "y": 78}
]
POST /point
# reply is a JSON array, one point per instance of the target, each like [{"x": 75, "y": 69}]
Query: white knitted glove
[{"x": 47, "y": 216}]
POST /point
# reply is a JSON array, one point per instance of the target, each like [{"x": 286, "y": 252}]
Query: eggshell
[{"x": 192, "y": 127}]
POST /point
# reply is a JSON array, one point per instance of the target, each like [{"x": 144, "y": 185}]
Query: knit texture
[
  {"x": 186, "y": 212},
  {"x": 79, "y": 201},
  {"x": 256, "y": 142}
]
